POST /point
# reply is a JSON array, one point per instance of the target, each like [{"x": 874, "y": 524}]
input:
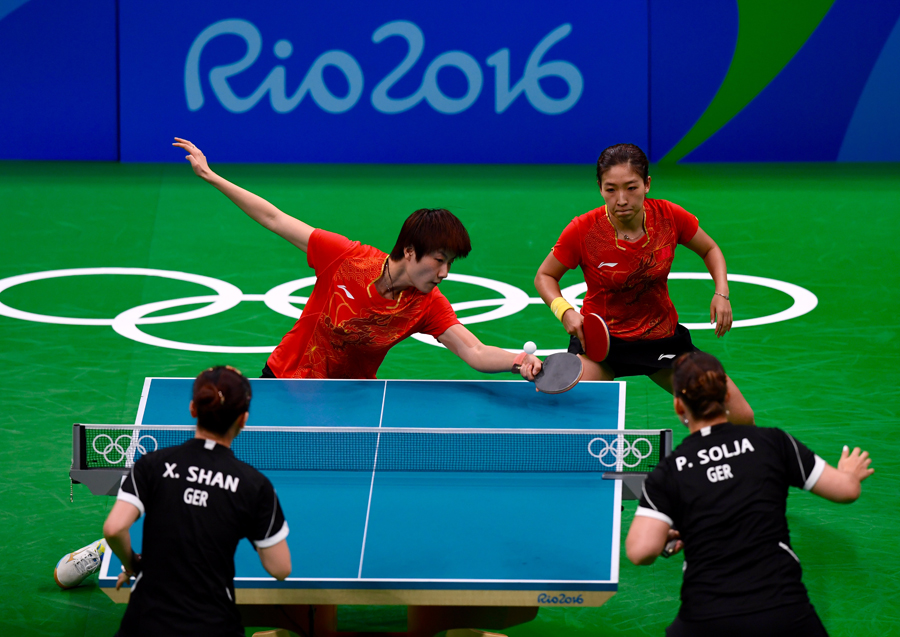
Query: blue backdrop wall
[
  {"x": 479, "y": 82},
  {"x": 58, "y": 80}
]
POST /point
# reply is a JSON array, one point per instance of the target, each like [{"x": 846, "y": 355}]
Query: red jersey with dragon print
[
  {"x": 627, "y": 281},
  {"x": 347, "y": 328}
]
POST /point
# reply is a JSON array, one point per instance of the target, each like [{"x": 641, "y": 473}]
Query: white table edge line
[{"x": 426, "y": 580}]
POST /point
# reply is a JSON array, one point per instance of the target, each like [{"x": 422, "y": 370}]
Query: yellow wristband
[{"x": 559, "y": 307}]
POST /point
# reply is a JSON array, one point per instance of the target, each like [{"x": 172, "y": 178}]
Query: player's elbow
[
  {"x": 276, "y": 560},
  {"x": 640, "y": 558},
  {"x": 281, "y": 572},
  {"x": 639, "y": 551},
  {"x": 279, "y": 569},
  {"x": 848, "y": 493},
  {"x": 112, "y": 529},
  {"x": 542, "y": 280}
]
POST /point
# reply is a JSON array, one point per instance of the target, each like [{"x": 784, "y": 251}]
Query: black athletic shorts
[
  {"x": 643, "y": 358},
  {"x": 795, "y": 620},
  {"x": 267, "y": 372}
]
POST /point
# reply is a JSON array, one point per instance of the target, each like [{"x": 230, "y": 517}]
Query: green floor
[{"x": 829, "y": 377}]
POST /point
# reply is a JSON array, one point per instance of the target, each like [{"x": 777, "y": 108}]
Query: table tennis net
[{"x": 396, "y": 448}]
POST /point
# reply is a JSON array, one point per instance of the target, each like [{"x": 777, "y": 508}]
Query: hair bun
[
  {"x": 701, "y": 382},
  {"x": 221, "y": 396},
  {"x": 206, "y": 398}
]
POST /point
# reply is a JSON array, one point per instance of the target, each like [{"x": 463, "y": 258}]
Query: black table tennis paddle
[{"x": 560, "y": 372}]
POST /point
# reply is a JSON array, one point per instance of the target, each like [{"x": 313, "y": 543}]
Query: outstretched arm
[
  {"x": 719, "y": 307},
  {"x": 257, "y": 208},
  {"x": 546, "y": 281},
  {"x": 485, "y": 358},
  {"x": 844, "y": 484}
]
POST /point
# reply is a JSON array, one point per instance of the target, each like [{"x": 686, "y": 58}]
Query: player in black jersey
[
  {"x": 725, "y": 491},
  {"x": 199, "y": 501}
]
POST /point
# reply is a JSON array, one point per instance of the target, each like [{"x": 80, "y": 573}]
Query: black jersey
[
  {"x": 725, "y": 490},
  {"x": 199, "y": 501}
]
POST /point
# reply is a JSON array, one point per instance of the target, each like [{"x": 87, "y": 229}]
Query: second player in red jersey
[
  {"x": 625, "y": 249},
  {"x": 627, "y": 280}
]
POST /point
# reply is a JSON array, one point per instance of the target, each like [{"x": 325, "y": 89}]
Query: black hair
[
  {"x": 431, "y": 229},
  {"x": 700, "y": 382},
  {"x": 627, "y": 154},
  {"x": 221, "y": 396}
]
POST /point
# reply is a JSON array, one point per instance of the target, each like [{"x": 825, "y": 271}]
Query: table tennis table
[{"x": 459, "y": 546}]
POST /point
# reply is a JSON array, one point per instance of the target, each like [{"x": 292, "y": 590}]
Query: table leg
[
  {"x": 426, "y": 621},
  {"x": 422, "y": 621},
  {"x": 305, "y": 620}
]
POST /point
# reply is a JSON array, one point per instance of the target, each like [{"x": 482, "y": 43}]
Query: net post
[
  {"x": 632, "y": 483},
  {"x": 79, "y": 439},
  {"x": 666, "y": 438},
  {"x": 99, "y": 481}
]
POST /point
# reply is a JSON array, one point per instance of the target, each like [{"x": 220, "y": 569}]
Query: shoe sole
[{"x": 60, "y": 584}]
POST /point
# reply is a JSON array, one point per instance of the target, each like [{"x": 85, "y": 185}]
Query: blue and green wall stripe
[{"x": 809, "y": 80}]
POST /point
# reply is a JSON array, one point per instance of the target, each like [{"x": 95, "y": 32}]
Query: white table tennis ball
[{"x": 530, "y": 347}]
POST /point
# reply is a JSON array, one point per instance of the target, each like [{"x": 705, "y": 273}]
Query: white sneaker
[{"x": 75, "y": 567}]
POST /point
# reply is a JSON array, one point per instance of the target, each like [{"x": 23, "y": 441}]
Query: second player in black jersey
[{"x": 725, "y": 491}]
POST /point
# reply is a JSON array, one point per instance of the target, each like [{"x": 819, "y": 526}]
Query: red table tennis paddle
[
  {"x": 560, "y": 372},
  {"x": 596, "y": 338}
]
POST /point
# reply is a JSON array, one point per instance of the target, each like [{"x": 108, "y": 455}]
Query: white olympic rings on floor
[
  {"x": 132, "y": 445},
  {"x": 280, "y": 299},
  {"x": 619, "y": 450}
]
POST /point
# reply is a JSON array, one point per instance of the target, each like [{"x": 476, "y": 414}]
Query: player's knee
[{"x": 595, "y": 371}]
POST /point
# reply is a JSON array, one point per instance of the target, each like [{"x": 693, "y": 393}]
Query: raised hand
[
  {"x": 196, "y": 157},
  {"x": 855, "y": 463}
]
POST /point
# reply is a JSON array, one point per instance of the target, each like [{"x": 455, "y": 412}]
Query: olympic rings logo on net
[
  {"x": 281, "y": 299},
  {"x": 619, "y": 450},
  {"x": 134, "y": 444}
]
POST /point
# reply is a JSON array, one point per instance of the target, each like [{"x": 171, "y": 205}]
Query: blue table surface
[
  {"x": 440, "y": 530},
  {"x": 402, "y": 403}
]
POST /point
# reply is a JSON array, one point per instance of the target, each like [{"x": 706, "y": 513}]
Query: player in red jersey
[
  {"x": 365, "y": 301},
  {"x": 625, "y": 249}
]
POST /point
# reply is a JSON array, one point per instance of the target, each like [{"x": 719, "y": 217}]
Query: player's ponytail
[
  {"x": 221, "y": 396},
  {"x": 700, "y": 382}
]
